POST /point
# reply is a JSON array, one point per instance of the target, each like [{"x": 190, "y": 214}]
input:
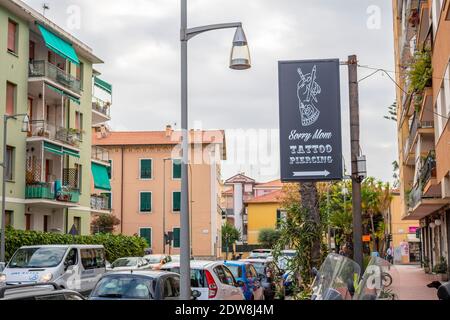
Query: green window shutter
[
  {"x": 109, "y": 169},
  {"x": 146, "y": 233},
  {"x": 109, "y": 198},
  {"x": 278, "y": 219},
  {"x": 146, "y": 168},
  {"x": 176, "y": 169},
  {"x": 176, "y": 237},
  {"x": 176, "y": 201},
  {"x": 146, "y": 202}
]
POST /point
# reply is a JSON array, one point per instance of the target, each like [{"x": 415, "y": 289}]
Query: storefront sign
[{"x": 310, "y": 120}]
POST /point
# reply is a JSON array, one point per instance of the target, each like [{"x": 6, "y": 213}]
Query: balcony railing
[
  {"x": 41, "y": 128},
  {"x": 415, "y": 196},
  {"x": 101, "y": 106},
  {"x": 428, "y": 170},
  {"x": 99, "y": 202},
  {"x": 46, "y": 191},
  {"x": 43, "y": 68},
  {"x": 100, "y": 154}
]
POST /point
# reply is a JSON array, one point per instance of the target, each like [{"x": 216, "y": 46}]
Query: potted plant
[{"x": 441, "y": 269}]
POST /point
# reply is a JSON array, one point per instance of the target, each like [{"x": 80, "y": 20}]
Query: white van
[{"x": 75, "y": 267}]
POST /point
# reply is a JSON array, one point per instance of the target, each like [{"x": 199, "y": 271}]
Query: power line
[{"x": 393, "y": 80}]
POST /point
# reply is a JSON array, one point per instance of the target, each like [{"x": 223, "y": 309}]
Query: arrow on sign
[{"x": 324, "y": 173}]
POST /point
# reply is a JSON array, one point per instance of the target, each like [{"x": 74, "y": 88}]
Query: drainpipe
[{"x": 121, "y": 192}]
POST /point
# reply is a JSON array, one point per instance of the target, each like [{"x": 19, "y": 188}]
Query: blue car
[{"x": 246, "y": 273}]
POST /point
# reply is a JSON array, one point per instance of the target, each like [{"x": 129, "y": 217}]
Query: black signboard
[{"x": 310, "y": 120}]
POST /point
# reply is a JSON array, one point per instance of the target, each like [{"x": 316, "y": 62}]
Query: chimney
[{"x": 168, "y": 130}]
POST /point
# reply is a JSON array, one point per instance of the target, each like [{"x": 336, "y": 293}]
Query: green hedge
[{"x": 116, "y": 246}]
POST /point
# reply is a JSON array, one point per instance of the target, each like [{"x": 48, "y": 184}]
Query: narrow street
[{"x": 413, "y": 283}]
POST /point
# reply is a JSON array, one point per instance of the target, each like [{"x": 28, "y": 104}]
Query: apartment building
[
  {"x": 422, "y": 33},
  {"x": 47, "y": 74},
  {"x": 239, "y": 191},
  {"x": 146, "y": 179}
]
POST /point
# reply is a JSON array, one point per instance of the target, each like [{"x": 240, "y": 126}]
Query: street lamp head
[
  {"x": 26, "y": 124},
  {"x": 240, "y": 54}
]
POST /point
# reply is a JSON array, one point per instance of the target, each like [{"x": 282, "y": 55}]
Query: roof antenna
[{"x": 45, "y": 6}]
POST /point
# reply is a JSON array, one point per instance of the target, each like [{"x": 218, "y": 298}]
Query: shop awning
[
  {"x": 53, "y": 148},
  {"x": 103, "y": 85},
  {"x": 71, "y": 153},
  {"x": 101, "y": 179},
  {"x": 61, "y": 92},
  {"x": 58, "y": 45}
]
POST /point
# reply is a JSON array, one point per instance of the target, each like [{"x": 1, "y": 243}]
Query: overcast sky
[{"x": 139, "y": 42}]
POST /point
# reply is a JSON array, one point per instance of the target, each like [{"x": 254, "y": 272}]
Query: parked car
[
  {"x": 75, "y": 267},
  {"x": 271, "y": 278},
  {"x": 157, "y": 260},
  {"x": 38, "y": 291},
  {"x": 129, "y": 263},
  {"x": 212, "y": 279},
  {"x": 137, "y": 285},
  {"x": 175, "y": 258},
  {"x": 246, "y": 273},
  {"x": 260, "y": 254}
]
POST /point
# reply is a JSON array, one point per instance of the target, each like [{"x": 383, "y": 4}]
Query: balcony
[
  {"x": 100, "y": 203},
  {"x": 428, "y": 176},
  {"x": 421, "y": 205},
  {"x": 43, "y": 129},
  {"x": 44, "y": 193},
  {"x": 44, "y": 69},
  {"x": 100, "y": 155},
  {"x": 100, "y": 111}
]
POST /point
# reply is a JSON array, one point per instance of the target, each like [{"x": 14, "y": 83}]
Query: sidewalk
[{"x": 413, "y": 283}]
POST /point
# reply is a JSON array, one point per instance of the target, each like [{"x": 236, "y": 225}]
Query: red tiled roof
[
  {"x": 117, "y": 138},
  {"x": 272, "y": 197},
  {"x": 271, "y": 184}
]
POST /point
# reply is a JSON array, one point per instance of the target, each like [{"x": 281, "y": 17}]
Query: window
[
  {"x": 78, "y": 121},
  {"x": 92, "y": 258},
  {"x": 176, "y": 201},
  {"x": 171, "y": 287},
  {"x": 176, "y": 237},
  {"x": 281, "y": 217},
  {"x": 108, "y": 197},
  {"x": 12, "y": 36},
  {"x": 11, "y": 94},
  {"x": 28, "y": 222},
  {"x": 176, "y": 169},
  {"x": 71, "y": 258},
  {"x": 223, "y": 276},
  {"x": 146, "y": 169},
  {"x": 80, "y": 73},
  {"x": 146, "y": 233},
  {"x": 10, "y": 151},
  {"x": 9, "y": 218},
  {"x": 145, "y": 202},
  {"x": 79, "y": 170},
  {"x": 109, "y": 169},
  {"x": 45, "y": 224}
]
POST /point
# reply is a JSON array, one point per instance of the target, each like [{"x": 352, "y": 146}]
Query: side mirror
[
  {"x": 69, "y": 268},
  {"x": 195, "y": 294},
  {"x": 2, "y": 266}
]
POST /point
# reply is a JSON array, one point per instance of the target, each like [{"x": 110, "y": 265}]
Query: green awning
[
  {"x": 61, "y": 92},
  {"x": 100, "y": 174},
  {"x": 58, "y": 45},
  {"x": 103, "y": 85},
  {"x": 71, "y": 153},
  {"x": 53, "y": 148}
]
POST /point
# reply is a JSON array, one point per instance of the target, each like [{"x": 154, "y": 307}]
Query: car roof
[
  {"x": 236, "y": 263},
  {"x": 145, "y": 273},
  {"x": 31, "y": 291},
  {"x": 81, "y": 246},
  {"x": 195, "y": 264},
  {"x": 262, "y": 250},
  {"x": 255, "y": 260},
  {"x": 128, "y": 258}
]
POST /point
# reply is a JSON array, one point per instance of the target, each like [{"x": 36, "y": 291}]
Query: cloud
[{"x": 139, "y": 42}]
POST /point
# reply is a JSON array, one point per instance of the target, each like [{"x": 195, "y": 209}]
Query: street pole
[
  {"x": 355, "y": 151},
  {"x": 2, "y": 240},
  {"x": 328, "y": 217},
  {"x": 185, "y": 273}
]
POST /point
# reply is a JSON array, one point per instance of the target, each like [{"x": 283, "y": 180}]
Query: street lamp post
[
  {"x": 239, "y": 60},
  {"x": 25, "y": 128}
]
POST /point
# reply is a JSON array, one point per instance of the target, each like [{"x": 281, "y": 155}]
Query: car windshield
[
  {"x": 37, "y": 257},
  {"x": 175, "y": 258},
  {"x": 198, "y": 278},
  {"x": 235, "y": 270},
  {"x": 260, "y": 267},
  {"x": 125, "y": 262},
  {"x": 257, "y": 255},
  {"x": 124, "y": 287},
  {"x": 153, "y": 259}
]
